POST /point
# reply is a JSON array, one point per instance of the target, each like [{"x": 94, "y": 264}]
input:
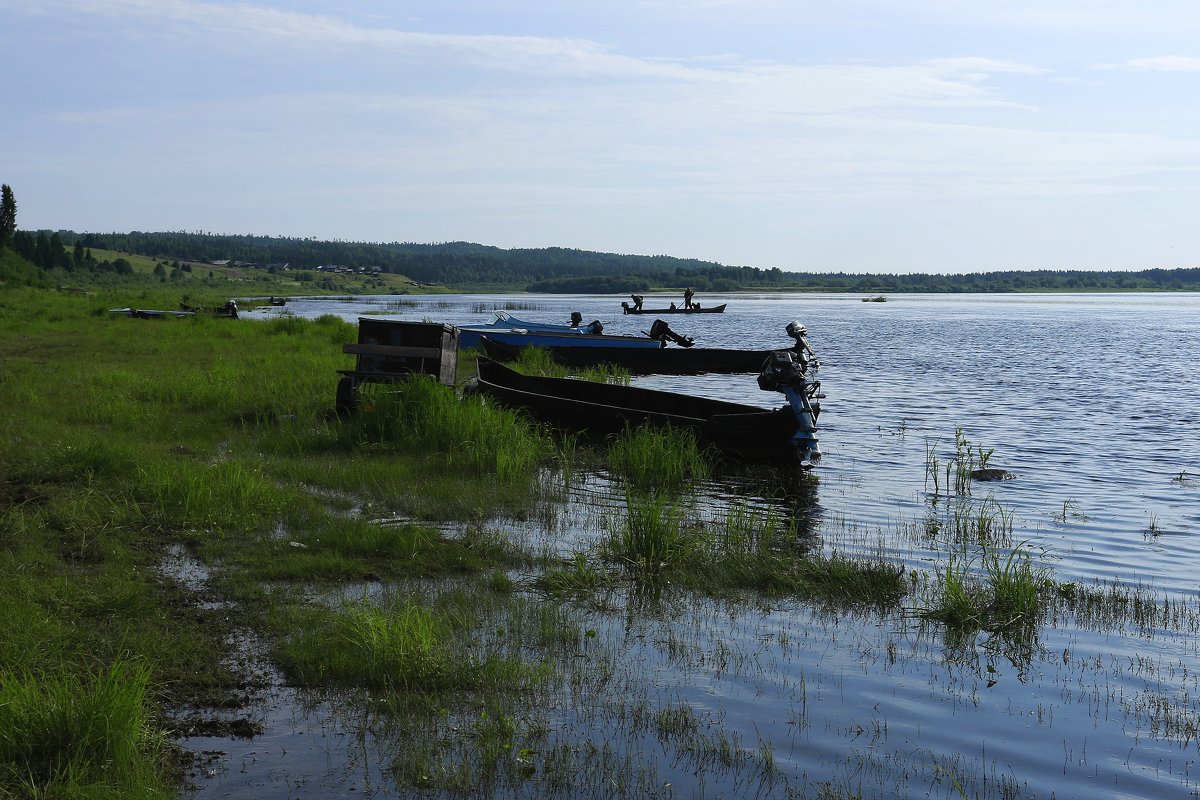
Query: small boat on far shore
[{"x": 674, "y": 309}]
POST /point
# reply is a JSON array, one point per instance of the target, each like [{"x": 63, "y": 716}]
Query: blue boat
[
  {"x": 519, "y": 337},
  {"x": 469, "y": 335}
]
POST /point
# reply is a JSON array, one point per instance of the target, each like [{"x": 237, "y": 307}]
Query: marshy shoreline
[{"x": 192, "y": 534}]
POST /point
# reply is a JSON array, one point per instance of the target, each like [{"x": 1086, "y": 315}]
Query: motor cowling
[{"x": 781, "y": 369}]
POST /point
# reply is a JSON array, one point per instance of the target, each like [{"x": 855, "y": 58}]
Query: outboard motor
[
  {"x": 786, "y": 371},
  {"x": 576, "y": 319},
  {"x": 662, "y": 331},
  {"x": 595, "y": 327},
  {"x": 799, "y": 332}
]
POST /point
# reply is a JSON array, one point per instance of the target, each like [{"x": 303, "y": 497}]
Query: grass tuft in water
[
  {"x": 653, "y": 536},
  {"x": 994, "y": 592},
  {"x": 663, "y": 459},
  {"x": 403, "y": 647}
]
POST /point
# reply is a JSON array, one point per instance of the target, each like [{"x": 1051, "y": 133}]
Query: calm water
[{"x": 1090, "y": 399}]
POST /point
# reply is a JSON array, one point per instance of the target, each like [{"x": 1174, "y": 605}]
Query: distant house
[{"x": 224, "y": 262}]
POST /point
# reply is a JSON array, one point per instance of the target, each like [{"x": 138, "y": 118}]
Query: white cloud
[{"x": 1166, "y": 64}]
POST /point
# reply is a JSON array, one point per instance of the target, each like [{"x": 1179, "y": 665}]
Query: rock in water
[{"x": 992, "y": 474}]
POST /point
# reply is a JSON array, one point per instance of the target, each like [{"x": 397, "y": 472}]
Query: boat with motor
[
  {"x": 684, "y": 360},
  {"x": 468, "y": 335},
  {"x": 739, "y": 432}
]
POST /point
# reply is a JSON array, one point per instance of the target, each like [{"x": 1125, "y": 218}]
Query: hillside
[{"x": 289, "y": 265}]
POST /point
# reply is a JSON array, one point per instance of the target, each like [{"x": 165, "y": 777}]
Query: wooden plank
[{"x": 392, "y": 351}]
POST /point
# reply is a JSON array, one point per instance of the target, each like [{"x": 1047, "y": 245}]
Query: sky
[{"x": 853, "y": 136}]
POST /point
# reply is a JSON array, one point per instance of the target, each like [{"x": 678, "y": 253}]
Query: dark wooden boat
[
  {"x": 739, "y": 432},
  {"x": 674, "y": 309},
  {"x": 653, "y": 361},
  {"x": 149, "y": 313}
]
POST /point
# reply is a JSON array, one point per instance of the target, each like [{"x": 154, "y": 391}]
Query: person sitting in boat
[
  {"x": 637, "y": 302},
  {"x": 688, "y": 294},
  {"x": 672, "y": 306}
]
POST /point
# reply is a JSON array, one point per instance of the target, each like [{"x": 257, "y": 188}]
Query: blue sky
[{"x": 858, "y": 136}]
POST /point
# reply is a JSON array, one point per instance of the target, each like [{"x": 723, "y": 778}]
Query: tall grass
[
  {"x": 420, "y": 415},
  {"x": 994, "y": 591},
  {"x": 653, "y": 536},
  {"x": 196, "y": 495},
  {"x": 539, "y": 361},
  {"x": 663, "y": 459},
  {"x": 405, "y": 647},
  {"x": 67, "y": 734}
]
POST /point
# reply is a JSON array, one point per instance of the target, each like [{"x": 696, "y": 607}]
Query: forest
[{"x": 466, "y": 266}]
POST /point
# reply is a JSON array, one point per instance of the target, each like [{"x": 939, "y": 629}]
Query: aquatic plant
[
  {"x": 993, "y": 591},
  {"x": 653, "y": 535},
  {"x": 660, "y": 458},
  {"x": 405, "y": 647}
]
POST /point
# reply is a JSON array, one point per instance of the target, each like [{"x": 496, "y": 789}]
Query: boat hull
[
  {"x": 678, "y": 310},
  {"x": 739, "y": 432},
  {"x": 469, "y": 335},
  {"x": 523, "y": 338},
  {"x": 646, "y": 361}
]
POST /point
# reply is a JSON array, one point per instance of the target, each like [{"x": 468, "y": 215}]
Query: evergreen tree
[{"x": 8, "y": 214}]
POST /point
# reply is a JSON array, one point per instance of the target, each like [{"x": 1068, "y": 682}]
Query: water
[{"x": 1089, "y": 399}]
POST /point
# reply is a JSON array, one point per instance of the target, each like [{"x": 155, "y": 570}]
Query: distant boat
[
  {"x": 695, "y": 309},
  {"x": 876, "y": 299},
  {"x": 468, "y": 335},
  {"x": 740, "y": 432}
]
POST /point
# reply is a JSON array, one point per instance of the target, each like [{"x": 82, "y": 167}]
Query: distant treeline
[{"x": 563, "y": 270}]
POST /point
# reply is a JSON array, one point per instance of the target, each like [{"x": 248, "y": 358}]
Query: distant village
[{"x": 331, "y": 268}]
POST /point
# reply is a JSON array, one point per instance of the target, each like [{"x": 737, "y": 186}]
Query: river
[{"x": 1091, "y": 400}]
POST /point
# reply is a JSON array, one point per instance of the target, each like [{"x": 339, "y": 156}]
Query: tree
[{"x": 8, "y": 215}]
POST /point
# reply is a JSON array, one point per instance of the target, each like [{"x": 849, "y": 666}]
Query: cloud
[{"x": 1165, "y": 64}]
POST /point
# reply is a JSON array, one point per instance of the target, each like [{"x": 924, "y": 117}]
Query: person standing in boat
[
  {"x": 687, "y": 297},
  {"x": 637, "y": 302}
]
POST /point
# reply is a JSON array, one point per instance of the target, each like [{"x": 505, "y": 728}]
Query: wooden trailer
[{"x": 390, "y": 350}]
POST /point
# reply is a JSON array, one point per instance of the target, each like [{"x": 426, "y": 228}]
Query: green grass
[
  {"x": 80, "y": 734},
  {"x": 994, "y": 591},
  {"x": 653, "y": 536},
  {"x": 663, "y": 459}
]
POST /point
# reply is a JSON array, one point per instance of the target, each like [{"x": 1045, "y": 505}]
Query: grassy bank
[{"x": 125, "y": 437}]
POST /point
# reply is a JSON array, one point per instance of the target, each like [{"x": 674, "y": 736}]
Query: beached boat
[
  {"x": 673, "y": 309},
  {"x": 644, "y": 361},
  {"x": 520, "y": 337},
  {"x": 683, "y": 360},
  {"x": 148, "y": 313},
  {"x": 739, "y": 432},
  {"x": 468, "y": 335}
]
